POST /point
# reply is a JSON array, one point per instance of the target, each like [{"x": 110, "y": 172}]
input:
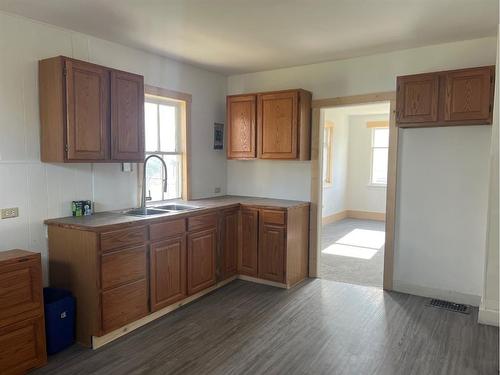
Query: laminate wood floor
[{"x": 319, "y": 327}]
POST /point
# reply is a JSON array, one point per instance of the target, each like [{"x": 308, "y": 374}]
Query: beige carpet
[{"x": 353, "y": 252}]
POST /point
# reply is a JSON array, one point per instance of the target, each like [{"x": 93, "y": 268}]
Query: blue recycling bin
[{"x": 59, "y": 319}]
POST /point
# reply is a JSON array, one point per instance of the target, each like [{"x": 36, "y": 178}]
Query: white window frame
[
  {"x": 328, "y": 134},
  {"x": 178, "y": 147},
  {"x": 373, "y": 148}
]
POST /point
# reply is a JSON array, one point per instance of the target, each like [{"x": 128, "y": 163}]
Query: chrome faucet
[{"x": 144, "y": 198}]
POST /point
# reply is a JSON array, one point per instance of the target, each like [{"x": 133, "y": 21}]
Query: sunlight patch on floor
[
  {"x": 372, "y": 239},
  {"x": 358, "y": 243},
  {"x": 350, "y": 251}
]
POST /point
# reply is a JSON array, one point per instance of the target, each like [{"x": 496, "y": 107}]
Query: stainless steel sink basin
[
  {"x": 145, "y": 212},
  {"x": 176, "y": 207}
]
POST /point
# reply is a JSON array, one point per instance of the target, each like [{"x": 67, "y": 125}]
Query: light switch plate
[{"x": 8, "y": 213}]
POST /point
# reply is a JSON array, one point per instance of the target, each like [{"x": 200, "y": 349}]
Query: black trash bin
[{"x": 59, "y": 319}]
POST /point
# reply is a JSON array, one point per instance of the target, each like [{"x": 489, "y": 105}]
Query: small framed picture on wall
[{"x": 218, "y": 136}]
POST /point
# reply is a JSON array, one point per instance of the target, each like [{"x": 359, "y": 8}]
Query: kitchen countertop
[{"x": 109, "y": 219}]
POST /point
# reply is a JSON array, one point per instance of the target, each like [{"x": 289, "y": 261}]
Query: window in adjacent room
[
  {"x": 328, "y": 154},
  {"x": 380, "y": 154},
  {"x": 165, "y": 118}
]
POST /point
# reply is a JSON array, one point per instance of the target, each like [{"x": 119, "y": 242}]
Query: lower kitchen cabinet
[
  {"x": 122, "y": 273},
  {"x": 124, "y": 305},
  {"x": 272, "y": 252},
  {"x": 201, "y": 252},
  {"x": 248, "y": 248},
  {"x": 230, "y": 227},
  {"x": 168, "y": 282}
]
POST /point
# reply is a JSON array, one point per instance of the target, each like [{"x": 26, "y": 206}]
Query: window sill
[{"x": 379, "y": 186}]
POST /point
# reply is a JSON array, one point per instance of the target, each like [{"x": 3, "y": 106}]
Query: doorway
[
  {"x": 354, "y": 189},
  {"x": 317, "y": 178}
]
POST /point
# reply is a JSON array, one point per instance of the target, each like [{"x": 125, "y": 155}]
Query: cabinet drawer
[
  {"x": 202, "y": 221},
  {"x": 22, "y": 346},
  {"x": 124, "y": 305},
  {"x": 167, "y": 229},
  {"x": 123, "y": 266},
  {"x": 123, "y": 238},
  {"x": 20, "y": 290},
  {"x": 274, "y": 217}
]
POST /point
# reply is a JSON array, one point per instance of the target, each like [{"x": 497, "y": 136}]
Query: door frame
[{"x": 317, "y": 183}]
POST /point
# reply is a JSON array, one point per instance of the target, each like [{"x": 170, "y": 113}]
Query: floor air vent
[{"x": 456, "y": 307}]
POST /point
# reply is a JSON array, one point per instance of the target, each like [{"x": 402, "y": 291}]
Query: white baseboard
[
  {"x": 447, "y": 295},
  {"x": 489, "y": 315}
]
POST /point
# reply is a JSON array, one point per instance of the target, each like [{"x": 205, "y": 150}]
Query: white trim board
[
  {"x": 447, "y": 295},
  {"x": 487, "y": 315}
]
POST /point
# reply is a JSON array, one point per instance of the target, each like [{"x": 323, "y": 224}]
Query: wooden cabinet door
[
  {"x": 241, "y": 127},
  {"x": 277, "y": 119},
  {"x": 469, "y": 95},
  {"x": 87, "y": 110},
  {"x": 230, "y": 243},
  {"x": 22, "y": 346},
  {"x": 417, "y": 98},
  {"x": 272, "y": 252},
  {"x": 248, "y": 248},
  {"x": 20, "y": 290},
  {"x": 201, "y": 260},
  {"x": 168, "y": 282},
  {"x": 127, "y": 116},
  {"x": 124, "y": 305}
]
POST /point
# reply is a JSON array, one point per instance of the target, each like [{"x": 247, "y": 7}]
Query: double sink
[{"x": 159, "y": 210}]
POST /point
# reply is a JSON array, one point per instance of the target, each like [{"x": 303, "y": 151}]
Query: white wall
[
  {"x": 361, "y": 196},
  {"x": 44, "y": 191},
  {"x": 456, "y": 234},
  {"x": 442, "y": 204},
  {"x": 335, "y": 195}
]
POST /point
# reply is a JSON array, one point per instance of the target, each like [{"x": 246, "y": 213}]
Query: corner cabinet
[
  {"x": 270, "y": 125},
  {"x": 90, "y": 113},
  {"x": 448, "y": 98}
]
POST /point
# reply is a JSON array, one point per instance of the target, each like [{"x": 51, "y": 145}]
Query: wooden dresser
[{"x": 22, "y": 327}]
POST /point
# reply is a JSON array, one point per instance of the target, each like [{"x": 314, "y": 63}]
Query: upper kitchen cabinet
[
  {"x": 127, "y": 116},
  {"x": 241, "y": 111},
  {"x": 90, "y": 113},
  {"x": 449, "y": 98},
  {"x": 284, "y": 125},
  {"x": 270, "y": 125},
  {"x": 417, "y": 99}
]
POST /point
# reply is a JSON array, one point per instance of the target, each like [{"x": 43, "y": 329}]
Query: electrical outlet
[
  {"x": 217, "y": 190},
  {"x": 8, "y": 213}
]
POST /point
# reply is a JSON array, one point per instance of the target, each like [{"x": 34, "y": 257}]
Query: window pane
[
  {"x": 151, "y": 120},
  {"x": 379, "y": 167},
  {"x": 168, "y": 128},
  {"x": 381, "y": 137},
  {"x": 174, "y": 174},
  {"x": 154, "y": 179}
]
